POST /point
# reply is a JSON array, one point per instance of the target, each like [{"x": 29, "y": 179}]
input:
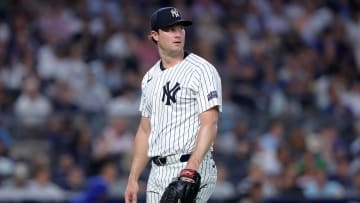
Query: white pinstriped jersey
[{"x": 173, "y": 98}]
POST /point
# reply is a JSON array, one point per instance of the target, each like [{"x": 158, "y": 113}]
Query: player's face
[{"x": 171, "y": 38}]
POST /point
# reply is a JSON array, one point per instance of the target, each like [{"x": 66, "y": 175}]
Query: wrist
[
  {"x": 193, "y": 165},
  {"x": 133, "y": 178}
]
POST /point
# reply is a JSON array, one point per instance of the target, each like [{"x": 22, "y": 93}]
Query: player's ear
[{"x": 154, "y": 36}]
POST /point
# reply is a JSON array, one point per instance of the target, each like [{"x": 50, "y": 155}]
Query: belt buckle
[{"x": 160, "y": 161}]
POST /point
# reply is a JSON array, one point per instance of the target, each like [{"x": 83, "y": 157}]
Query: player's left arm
[{"x": 205, "y": 138}]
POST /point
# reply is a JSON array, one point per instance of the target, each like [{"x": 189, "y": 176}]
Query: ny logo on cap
[{"x": 174, "y": 13}]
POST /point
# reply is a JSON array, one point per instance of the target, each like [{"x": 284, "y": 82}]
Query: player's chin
[{"x": 177, "y": 50}]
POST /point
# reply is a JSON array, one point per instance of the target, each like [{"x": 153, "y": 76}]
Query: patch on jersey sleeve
[{"x": 212, "y": 95}]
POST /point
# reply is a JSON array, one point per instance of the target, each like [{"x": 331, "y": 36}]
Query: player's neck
[{"x": 169, "y": 60}]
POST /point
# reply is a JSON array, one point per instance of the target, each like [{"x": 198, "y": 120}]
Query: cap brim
[{"x": 182, "y": 22}]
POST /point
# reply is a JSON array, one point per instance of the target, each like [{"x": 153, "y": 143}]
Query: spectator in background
[
  {"x": 288, "y": 185},
  {"x": 297, "y": 142},
  {"x": 234, "y": 141},
  {"x": 117, "y": 45},
  {"x": 14, "y": 71},
  {"x": 234, "y": 149},
  {"x": 48, "y": 58},
  {"x": 92, "y": 96},
  {"x": 125, "y": 104},
  {"x": 341, "y": 173},
  {"x": 283, "y": 157},
  {"x": 351, "y": 98},
  {"x": 115, "y": 140},
  {"x": 5, "y": 136},
  {"x": 320, "y": 187},
  {"x": 17, "y": 187},
  {"x": 224, "y": 189},
  {"x": 255, "y": 174},
  {"x": 332, "y": 146},
  {"x": 61, "y": 169},
  {"x": 355, "y": 144},
  {"x": 97, "y": 188},
  {"x": 19, "y": 52},
  {"x": 82, "y": 147},
  {"x": 352, "y": 26},
  {"x": 354, "y": 190},
  {"x": 276, "y": 21},
  {"x": 41, "y": 188},
  {"x": 57, "y": 21},
  {"x": 63, "y": 99},
  {"x": 75, "y": 180},
  {"x": 73, "y": 69},
  {"x": 228, "y": 120},
  {"x": 6, "y": 161},
  {"x": 61, "y": 135},
  {"x": 269, "y": 143},
  {"x": 6, "y": 98},
  {"x": 272, "y": 139},
  {"x": 253, "y": 194},
  {"x": 31, "y": 107},
  {"x": 108, "y": 72}
]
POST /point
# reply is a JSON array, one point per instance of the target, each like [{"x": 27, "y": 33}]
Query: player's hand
[
  {"x": 183, "y": 189},
  {"x": 131, "y": 191}
]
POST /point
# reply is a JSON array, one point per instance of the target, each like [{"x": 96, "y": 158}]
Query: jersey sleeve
[
  {"x": 143, "y": 108},
  {"x": 209, "y": 89}
]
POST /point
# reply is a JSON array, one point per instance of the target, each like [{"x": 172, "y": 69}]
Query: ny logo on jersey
[{"x": 170, "y": 94}]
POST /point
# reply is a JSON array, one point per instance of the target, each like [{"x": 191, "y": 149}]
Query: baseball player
[{"x": 180, "y": 105}]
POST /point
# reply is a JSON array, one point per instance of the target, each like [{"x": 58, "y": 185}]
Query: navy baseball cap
[{"x": 167, "y": 16}]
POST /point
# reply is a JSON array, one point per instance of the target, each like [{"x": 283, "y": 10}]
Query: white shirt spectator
[
  {"x": 16, "y": 188},
  {"x": 117, "y": 46},
  {"x": 48, "y": 192},
  {"x": 10, "y": 192},
  {"x": 13, "y": 75},
  {"x": 42, "y": 189},
  {"x": 72, "y": 70},
  {"x": 352, "y": 31},
  {"x": 31, "y": 108},
  {"x": 276, "y": 21},
  {"x": 92, "y": 96},
  {"x": 115, "y": 139},
  {"x": 125, "y": 105},
  {"x": 351, "y": 99},
  {"x": 47, "y": 62}
]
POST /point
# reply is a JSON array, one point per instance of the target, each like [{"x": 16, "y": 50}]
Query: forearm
[
  {"x": 205, "y": 138},
  {"x": 140, "y": 159}
]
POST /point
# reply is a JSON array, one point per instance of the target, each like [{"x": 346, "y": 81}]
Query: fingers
[
  {"x": 130, "y": 198},
  {"x": 131, "y": 192}
]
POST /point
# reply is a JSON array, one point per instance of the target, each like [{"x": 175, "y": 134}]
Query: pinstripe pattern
[
  {"x": 174, "y": 127},
  {"x": 173, "y": 99},
  {"x": 161, "y": 176}
]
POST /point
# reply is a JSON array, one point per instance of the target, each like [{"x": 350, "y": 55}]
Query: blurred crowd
[{"x": 70, "y": 74}]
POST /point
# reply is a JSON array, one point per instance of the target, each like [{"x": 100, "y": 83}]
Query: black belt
[{"x": 162, "y": 160}]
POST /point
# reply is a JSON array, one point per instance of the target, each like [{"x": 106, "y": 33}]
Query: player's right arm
[{"x": 140, "y": 160}]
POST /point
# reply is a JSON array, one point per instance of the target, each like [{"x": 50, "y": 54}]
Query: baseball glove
[{"x": 184, "y": 189}]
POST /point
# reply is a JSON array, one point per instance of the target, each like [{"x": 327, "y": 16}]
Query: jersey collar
[{"x": 186, "y": 53}]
